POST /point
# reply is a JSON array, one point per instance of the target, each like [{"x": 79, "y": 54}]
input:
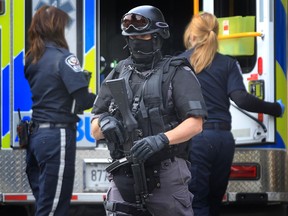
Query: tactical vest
[{"x": 153, "y": 111}]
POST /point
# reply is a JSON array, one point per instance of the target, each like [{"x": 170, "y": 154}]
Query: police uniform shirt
[
  {"x": 52, "y": 80},
  {"x": 217, "y": 82}
]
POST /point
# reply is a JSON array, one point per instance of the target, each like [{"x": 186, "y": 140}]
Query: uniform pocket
[{"x": 183, "y": 198}]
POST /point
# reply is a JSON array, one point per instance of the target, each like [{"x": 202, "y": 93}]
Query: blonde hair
[{"x": 201, "y": 34}]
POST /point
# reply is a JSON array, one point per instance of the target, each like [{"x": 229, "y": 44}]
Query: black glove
[
  {"x": 146, "y": 147},
  {"x": 112, "y": 129}
]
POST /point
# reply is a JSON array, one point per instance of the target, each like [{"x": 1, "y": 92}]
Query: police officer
[
  {"x": 166, "y": 101},
  {"x": 57, "y": 83},
  {"x": 211, "y": 152}
]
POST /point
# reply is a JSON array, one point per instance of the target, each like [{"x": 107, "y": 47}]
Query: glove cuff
[
  {"x": 102, "y": 116},
  {"x": 164, "y": 139}
]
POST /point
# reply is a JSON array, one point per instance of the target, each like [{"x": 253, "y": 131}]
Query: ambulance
[
  {"x": 255, "y": 33},
  {"x": 252, "y": 31}
]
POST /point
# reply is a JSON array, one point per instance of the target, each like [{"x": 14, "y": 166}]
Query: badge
[{"x": 73, "y": 62}]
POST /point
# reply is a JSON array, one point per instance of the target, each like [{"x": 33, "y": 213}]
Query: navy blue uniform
[
  {"x": 52, "y": 144},
  {"x": 211, "y": 152}
]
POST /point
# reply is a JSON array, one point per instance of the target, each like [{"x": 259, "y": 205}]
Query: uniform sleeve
[
  {"x": 251, "y": 103},
  {"x": 72, "y": 74},
  {"x": 187, "y": 94},
  {"x": 84, "y": 99},
  {"x": 235, "y": 78}
]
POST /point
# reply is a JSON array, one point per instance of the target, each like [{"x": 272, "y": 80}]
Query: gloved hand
[
  {"x": 282, "y": 106},
  {"x": 146, "y": 147},
  {"x": 112, "y": 129}
]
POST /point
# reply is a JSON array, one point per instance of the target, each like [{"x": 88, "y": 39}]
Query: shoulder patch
[
  {"x": 73, "y": 62},
  {"x": 187, "y": 68}
]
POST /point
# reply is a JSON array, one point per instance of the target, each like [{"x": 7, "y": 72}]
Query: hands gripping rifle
[{"x": 119, "y": 93}]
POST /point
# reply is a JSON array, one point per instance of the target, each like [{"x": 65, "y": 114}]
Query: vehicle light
[
  {"x": 260, "y": 66},
  {"x": 244, "y": 172},
  {"x": 260, "y": 117},
  {"x": 15, "y": 197},
  {"x": 74, "y": 197}
]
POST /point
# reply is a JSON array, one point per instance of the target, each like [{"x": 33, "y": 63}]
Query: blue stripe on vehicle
[
  {"x": 6, "y": 100},
  {"x": 90, "y": 15},
  {"x": 281, "y": 36},
  {"x": 22, "y": 93}
]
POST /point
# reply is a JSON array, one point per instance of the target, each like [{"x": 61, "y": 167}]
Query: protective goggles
[{"x": 138, "y": 22}]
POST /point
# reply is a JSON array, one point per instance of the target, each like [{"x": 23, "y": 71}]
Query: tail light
[{"x": 245, "y": 171}]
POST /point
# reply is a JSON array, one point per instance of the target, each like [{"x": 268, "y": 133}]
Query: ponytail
[{"x": 201, "y": 34}]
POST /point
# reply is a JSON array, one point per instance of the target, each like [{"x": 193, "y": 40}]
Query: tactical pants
[
  {"x": 171, "y": 199},
  {"x": 50, "y": 169},
  {"x": 210, "y": 153}
]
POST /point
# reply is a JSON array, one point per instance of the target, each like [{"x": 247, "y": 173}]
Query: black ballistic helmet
[{"x": 144, "y": 19}]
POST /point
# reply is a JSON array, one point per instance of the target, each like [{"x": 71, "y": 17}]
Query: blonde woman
[{"x": 211, "y": 152}]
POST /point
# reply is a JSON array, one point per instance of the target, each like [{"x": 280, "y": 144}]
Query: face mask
[{"x": 141, "y": 50}]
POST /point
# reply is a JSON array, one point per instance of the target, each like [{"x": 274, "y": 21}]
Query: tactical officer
[
  {"x": 211, "y": 152},
  {"x": 165, "y": 100},
  {"x": 57, "y": 82}
]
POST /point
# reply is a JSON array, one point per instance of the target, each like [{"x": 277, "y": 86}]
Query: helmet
[{"x": 144, "y": 19}]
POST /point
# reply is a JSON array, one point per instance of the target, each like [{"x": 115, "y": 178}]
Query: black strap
[
  {"x": 217, "y": 126},
  {"x": 125, "y": 208}
]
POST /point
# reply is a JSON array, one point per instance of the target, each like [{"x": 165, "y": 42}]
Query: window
[
  {"x": 239, "y": 9},
  {"x": 2, "y": 7}
]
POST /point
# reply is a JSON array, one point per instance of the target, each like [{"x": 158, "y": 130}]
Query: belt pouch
[
  {"x": 156, "y": 120},
  {"x": 124, "y": 182},
  {"x": 153, "y": 177}
]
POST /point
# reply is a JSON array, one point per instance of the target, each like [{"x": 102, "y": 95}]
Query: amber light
[{"x": 244, "y": 172}]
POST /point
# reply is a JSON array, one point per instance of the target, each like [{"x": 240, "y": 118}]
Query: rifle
[{"x": 119, "y": 93}]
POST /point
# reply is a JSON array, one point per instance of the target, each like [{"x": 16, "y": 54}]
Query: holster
[{"x": 23, "y": 133}]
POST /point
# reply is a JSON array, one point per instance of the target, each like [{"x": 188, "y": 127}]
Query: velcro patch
[{"x": 73, "y": 62}]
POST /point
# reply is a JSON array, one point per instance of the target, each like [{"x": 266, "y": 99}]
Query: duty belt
[
  {"x": 124, "y": 208},
  {"x": 217, "y": 126},
  {"x": 53, "y": 125}
]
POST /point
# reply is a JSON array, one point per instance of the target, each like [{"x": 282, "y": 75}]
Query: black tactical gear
[
  {"x": 112, "y": 129},
  {"x": 146, "y": 147},
  {"x": 145, "y": 20},
  {"x": 155, "y": 18}
]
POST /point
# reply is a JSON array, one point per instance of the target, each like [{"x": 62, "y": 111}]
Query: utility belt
[
  {"x": 125, "y": 208},
  {"x": 38, "y": 125},
  {"x": 217, "y": 126},
  {"x": 156, "y": 159}
]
